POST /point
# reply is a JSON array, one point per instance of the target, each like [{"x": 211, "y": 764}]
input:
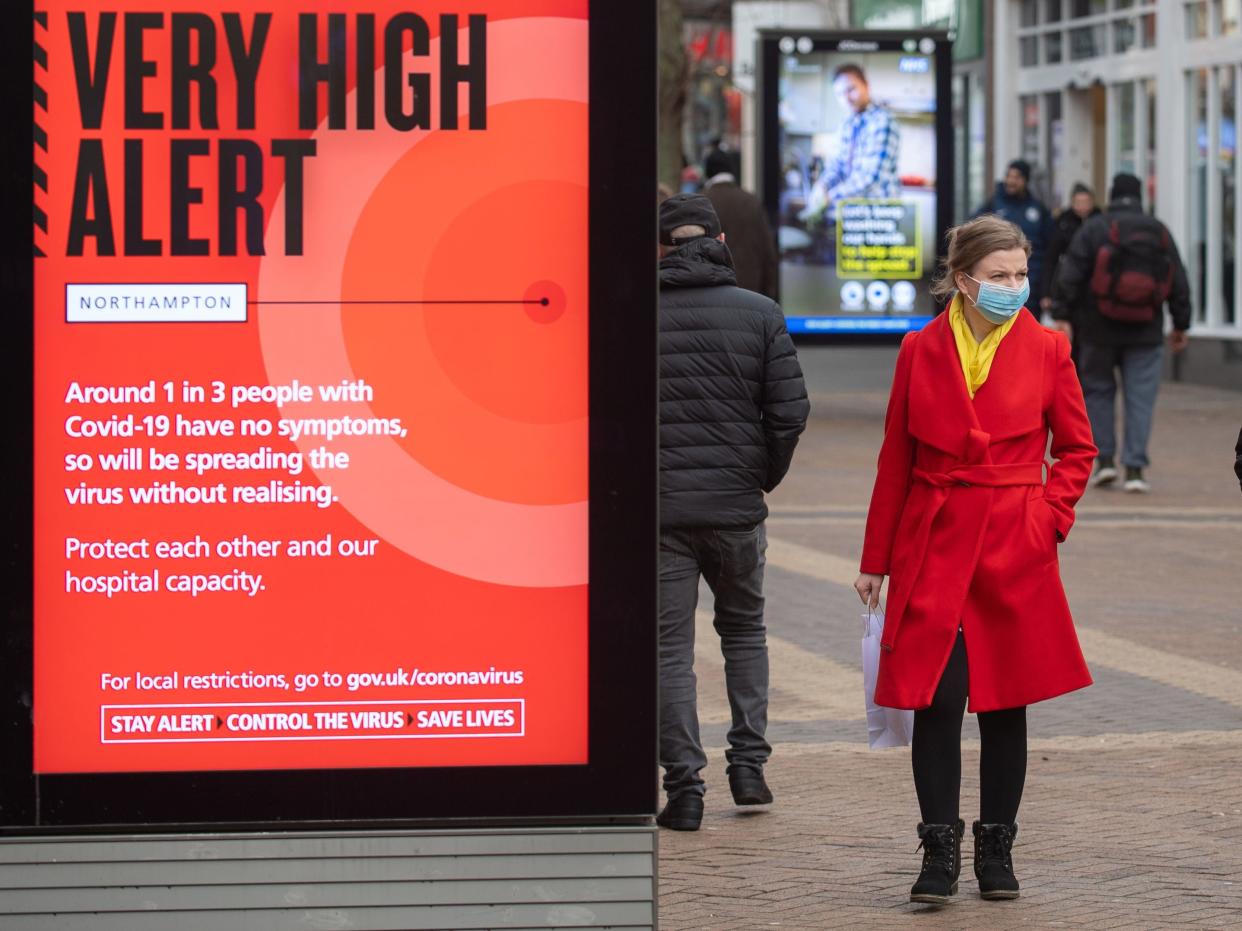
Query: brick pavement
[{"x": 1133, "y": 811}]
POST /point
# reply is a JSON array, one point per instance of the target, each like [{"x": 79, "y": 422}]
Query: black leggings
[{"x": 937, "y": 752}]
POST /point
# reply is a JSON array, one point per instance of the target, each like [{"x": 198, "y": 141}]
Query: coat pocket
[
  {"x": 1042, "y": 527},
  {"x": 742, "y": 550}
]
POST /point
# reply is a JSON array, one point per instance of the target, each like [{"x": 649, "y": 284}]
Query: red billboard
[{"x": 311, "y": 391}]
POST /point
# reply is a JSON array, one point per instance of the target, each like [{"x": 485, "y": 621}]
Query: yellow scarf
[{"x": 976, "y": 355}]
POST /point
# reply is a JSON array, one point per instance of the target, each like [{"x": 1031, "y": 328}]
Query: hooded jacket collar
[{"x": 700, "y": 263}]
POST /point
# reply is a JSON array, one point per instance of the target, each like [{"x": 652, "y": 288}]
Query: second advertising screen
[{"x": 852, "y": 177}]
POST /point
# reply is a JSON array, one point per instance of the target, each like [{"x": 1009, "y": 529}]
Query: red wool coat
[{"x": 965, "y": 526}]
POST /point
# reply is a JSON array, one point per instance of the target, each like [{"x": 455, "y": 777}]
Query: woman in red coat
[{"x": 965, "y": 518}]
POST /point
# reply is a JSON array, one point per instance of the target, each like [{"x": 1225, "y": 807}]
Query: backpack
[{"x": 1133, "y": 272}]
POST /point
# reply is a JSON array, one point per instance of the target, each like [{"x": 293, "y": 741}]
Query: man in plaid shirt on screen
[{"x": 866, "y": 161}]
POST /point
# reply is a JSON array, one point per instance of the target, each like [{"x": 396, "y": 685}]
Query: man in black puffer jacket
[{"x": 732, "y": 404}]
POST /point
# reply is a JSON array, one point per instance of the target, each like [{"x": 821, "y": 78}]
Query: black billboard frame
[{"x": 618, "y": 784}]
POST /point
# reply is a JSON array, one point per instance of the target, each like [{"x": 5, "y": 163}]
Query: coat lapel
[
  {"x": 1010, "y": 402},
  {"x": 941, "y": 413}
]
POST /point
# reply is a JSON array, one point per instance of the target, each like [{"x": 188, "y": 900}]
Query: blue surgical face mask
[{"x": 998, "y": 303}]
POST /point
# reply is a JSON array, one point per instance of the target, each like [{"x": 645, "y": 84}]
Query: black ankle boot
[
  {"x": 994, "y": 860},
  {"x": 942, "y": 862}
]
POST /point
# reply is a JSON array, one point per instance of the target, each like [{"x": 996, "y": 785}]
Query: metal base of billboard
[{"x": 396, "y": 879}]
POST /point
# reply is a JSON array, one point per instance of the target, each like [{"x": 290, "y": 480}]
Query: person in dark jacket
[
  {"x": 732, "y": 405},
  {"x": 1237, "y": 463},
  {"x": 1067, "y": 222},
  {"x": 745, "y": 225},
  {"x": 1108, "y": 344},
  {"x": 1014, "y": 202}
]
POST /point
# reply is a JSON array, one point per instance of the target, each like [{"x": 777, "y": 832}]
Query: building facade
[{"x": 1087, "y": 88}]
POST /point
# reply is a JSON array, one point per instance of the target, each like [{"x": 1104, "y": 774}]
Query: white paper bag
[{"x": 886, "y": 727}]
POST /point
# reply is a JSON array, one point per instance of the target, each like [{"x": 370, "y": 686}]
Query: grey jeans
[
  {"x": 1140, "y": 368},
  {"x": 731, "y": 561}
]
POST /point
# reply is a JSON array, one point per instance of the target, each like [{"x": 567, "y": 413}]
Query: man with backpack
[{"x": 1121, "y": 268}]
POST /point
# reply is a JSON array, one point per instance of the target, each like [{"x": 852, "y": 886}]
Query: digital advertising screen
[
  {"x": 856, "y": 147},
  {"x": 315, "y": 431}
]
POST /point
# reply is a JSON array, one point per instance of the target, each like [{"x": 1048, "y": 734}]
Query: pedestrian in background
[
  {"x": 1237, "y": 462},
  {"x": 1121, "y": 268},
  {"x": 745, "y": 225},
  {"x": 1068, "y": 221},
  {"x": 1013, "y": 201},
  {"x": 732, "y": 405},
  {"x": 963, "y": 520}
]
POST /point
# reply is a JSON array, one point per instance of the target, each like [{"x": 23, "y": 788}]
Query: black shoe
[
  {"x": 682, "y": 813},
  {"x": 942, "y": 863},
  {"x": 993, "y": 860},
  {"x": 748, "y": 786}
]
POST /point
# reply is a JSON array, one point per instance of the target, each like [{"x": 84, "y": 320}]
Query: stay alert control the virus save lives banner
[{"x": 310, "y": 385}]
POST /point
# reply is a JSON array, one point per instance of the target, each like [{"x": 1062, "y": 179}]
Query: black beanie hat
[
  {"x": 1022, "y": 166},
  {"x": 687, "y": 210},
  {"x": 716, "y": 163},
  {"x": 1125, "y": 185}
]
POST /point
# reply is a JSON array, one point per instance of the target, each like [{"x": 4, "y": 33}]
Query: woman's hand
[{"x": 868, "y": 588}]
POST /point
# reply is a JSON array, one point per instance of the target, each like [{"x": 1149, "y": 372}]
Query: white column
[
  {"x": 1174, "y": 123},
  {"x": 1213, "y": 257},
  {"x": 1006, "y": 116},
  {"x": 1237, "y": 202}
]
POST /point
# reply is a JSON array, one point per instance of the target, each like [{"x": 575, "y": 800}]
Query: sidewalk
[{"x": 1133, "y": 810}]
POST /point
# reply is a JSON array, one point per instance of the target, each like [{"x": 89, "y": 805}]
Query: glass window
[
  {"x": 961, "y": 135},
  {"x": 1052, "y": 11},
  {"x": 1197, "y": 253},
  {"x": 1054, "y": 126},
  {"x": 1030, "y": 126},
  {"x": 1081, "y": 8},
  {"x": 1086, "y": 42},
  {"x": 1226, "y": 159},
  {"x": 1231, "y": 17},
  {"x": 1125, "y": 35},
  {"x": 977, "y": 182},
  {"x": 1149, "y": 30},
  {"x": 1127, "y": 154},
  {"x": 1197, "y": 19},
  {"x": 968, "y": 17},
  {"x": 1029, "y": 15},
  {"x": 1149, "y": 183},
  {"x": 1052, "y": 48},
  {"x": 1028, "y": 51},
  {"x": 1123, "y": 4}
]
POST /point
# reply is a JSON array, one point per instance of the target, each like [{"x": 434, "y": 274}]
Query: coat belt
[
  {"x": 993, "y": 476},
  {"x": 942, "y": 483}
]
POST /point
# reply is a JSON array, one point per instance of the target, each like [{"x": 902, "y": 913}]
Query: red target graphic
[{"x": 483, "y": 351}]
